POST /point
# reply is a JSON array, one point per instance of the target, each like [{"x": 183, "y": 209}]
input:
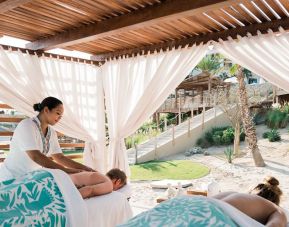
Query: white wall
[{"x": 185, "y": 141}]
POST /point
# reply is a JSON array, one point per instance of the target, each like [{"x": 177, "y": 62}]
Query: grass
[{"x": 175, "y": 170}]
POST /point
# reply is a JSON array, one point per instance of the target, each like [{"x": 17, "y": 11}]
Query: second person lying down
[{"x": 92, "y": 184}]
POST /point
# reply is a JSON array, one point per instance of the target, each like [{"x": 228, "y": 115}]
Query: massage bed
[
  {"x": 49, "y": 198},
  {"x": 192, "y": 211}
]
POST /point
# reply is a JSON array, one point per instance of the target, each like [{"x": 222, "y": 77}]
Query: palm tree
[
  {"x": 210, "y": 64},
  {"x": 248, "y": 125}
]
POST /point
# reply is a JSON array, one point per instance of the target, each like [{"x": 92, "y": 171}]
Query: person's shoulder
[
  {"x": 25, "y": 122},
  {"x": 24, "y": 126}
]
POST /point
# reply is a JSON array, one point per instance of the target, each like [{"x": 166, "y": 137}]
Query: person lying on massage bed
[
  {"x": 256, "y": 207},
  {"x": 92, "y": 184},
  {"x": 117, "y": 177},
  {"x": 204, "y": 211},
  {"x": 265, "y": 197},
  {"x": 34, "y": 144}
]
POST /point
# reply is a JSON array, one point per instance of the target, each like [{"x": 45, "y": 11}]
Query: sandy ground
[{"x": 240, "y": 176}]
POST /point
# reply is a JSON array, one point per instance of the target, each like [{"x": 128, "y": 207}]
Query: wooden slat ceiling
[{"x": 108, "y": 28}]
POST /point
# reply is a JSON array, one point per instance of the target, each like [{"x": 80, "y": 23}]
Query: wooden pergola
[{"x": 110, "y": 28}]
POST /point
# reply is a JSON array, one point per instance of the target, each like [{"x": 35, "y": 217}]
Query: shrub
[
  {"x": 203, "y": 143},
  {"x": 219, "y": 136},
  {"x": 218, "y": 129},
  {"x": 217, "y": 139},
  {"x": 228, "y": 136},
  {"x": 209, "y": 137},
  {"x": 265, "y": 135},
  {"x": 229, "y": 154},
  {"x": 274, "y": 135},
  {"x": 285, "y": 108},
  {"x": 276, "y": 119}
]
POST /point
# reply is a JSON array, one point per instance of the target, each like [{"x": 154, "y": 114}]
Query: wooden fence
[{"x": 16, "y": 119}]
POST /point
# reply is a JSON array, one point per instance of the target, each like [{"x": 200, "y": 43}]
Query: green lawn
[{"x": 175, "y": 170}]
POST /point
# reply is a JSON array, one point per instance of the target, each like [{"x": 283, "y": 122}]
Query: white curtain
[
  {"x": 135, "y": 87},
  {"x": 27, "y": 79},
  {"x": 266, "y": 55}
]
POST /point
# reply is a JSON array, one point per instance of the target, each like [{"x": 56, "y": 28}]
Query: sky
[{"x": 10, "y": 41}]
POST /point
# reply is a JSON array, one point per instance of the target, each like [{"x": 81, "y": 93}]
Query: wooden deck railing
[
  {"x": 62, "y": 145},
  {"x": 16, "y": 119}
]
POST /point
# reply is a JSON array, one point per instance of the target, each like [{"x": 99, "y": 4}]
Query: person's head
[
  {"x": 51, "y": 109},
  {"x": 268, "y": 190},
  {"x": 117, "y": 177}
]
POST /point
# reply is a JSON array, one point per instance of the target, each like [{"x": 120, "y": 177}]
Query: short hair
[
  {"x": 269, "y": 190},
  {"x": 117, "y": 174},
  {"x": 49, "y": 102}
]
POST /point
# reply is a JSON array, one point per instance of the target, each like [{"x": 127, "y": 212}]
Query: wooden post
[
  {"x": 203, "y": 117},
  {"x": 274, "y": 93},
  {"x": 209, "y": 91},
  {"x": 180, "y": 116},
  {"x": 215, "y": 110},
  {"x": 156, "y": 146},
  {"x": 158, "y": 119},
  {"x": 136, "y": 151},
  {"x": 176, "y": 98},
  {"x": 189, "y": 127},
  {"x": 173, "y": 135}
]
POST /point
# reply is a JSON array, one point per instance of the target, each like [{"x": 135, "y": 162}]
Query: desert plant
[
  {"x": 265, "y": 135},
  {"x": 274, "y": 135},
  {"x": 209, "y": 137},
  {"x": 229, "y": 154},
  {"x": 277, "y": 119},
  {"x": 228, "y": 136},
  {"x": 203, "y": 143},
  {"x": 219, "y": 136},
  {"x": 217, "y": 139}
]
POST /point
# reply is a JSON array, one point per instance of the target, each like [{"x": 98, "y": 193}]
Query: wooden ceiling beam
[
  {"x": 242, "y": 31},
  {"x": 8, "y": 5},
  {"x": 45, "y": 54},
  {"x": 167, "y": 10}
]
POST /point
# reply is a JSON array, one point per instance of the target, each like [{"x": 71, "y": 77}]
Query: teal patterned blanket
[
  {"x": 183, "y": 211},
  {"x": 32, "y": 200}
]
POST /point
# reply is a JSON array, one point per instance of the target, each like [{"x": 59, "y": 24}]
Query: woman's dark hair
[
  {"x": 269, "y": 190},
  {"x": 49, "y": 102},
  {"x": 117, "y": 174}
]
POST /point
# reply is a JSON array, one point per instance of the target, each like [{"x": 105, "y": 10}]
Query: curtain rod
[{"x": 50, "y": 55}]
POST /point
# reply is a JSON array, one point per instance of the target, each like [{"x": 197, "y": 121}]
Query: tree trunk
[
  {"x": 237, "y": 139},
  {"x": 250, "y": 130}
]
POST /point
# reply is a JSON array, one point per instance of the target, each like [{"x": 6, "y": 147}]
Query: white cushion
[{"x": 164, "y": 183}]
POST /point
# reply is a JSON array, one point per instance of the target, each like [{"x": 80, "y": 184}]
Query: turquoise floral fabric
[
  {"x": 32, "y": 200},
  {"x": 182, "y": 211}
]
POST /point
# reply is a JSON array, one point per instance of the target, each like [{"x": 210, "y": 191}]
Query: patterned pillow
[{"x": 183, "y": 211}]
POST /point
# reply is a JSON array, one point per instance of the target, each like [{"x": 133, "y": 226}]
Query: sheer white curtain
[
  {"x": 266, "y": 55},
  {"x": 27, "y": 79},
  {"x": 135, "y": 87}
]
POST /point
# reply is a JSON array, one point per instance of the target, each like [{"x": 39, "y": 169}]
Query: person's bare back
[
  {"x": 91, "y": 184},
  {"x": 255, "y": 207}
]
